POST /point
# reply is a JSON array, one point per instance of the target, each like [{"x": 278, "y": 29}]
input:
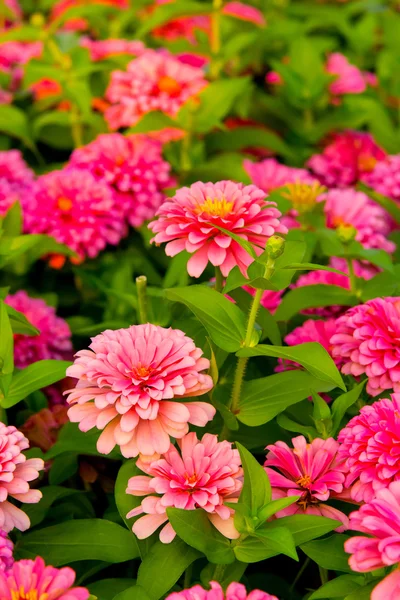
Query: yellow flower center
[
  {"x": 304, "y": 481},
  {"x": 64, "y": 204},
  {"x": 303, "y": 196},
  {"x": 142, "y": 371},
  {"x": 191, "y": 479},
  {"x": 366, "y": 163},
  {"x": 169, "y": 85},
  {"x": 214, "y": 207},
  {"x": 21, "y": 594}
]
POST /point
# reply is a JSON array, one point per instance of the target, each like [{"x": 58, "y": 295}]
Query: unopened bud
[
  {"x": 275, "y": 246},
  {"x": 37, "y": 20},
  {"x": 346, "y": 233}
]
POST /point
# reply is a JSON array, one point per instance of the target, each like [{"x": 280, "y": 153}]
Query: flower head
[
  {"x": 244, "y": 12},
  {"x": 370, "y": 446},
  {"x": 385, "y": 177},
  {"x": 6, "y": 552},
  {"x": 270, "y": 299},
  {"x": 204, "y": 474},
  {"x": 54, "y": 339},
  {"x": 130, "y": 384},
  {"x": 349, "y": 79},
  {"x": 42, "y": 428},
  {"x": 154, "y": 81},
  {"x": 133, "y": 166},
  {"x": 14, "y": 169},
  {"x": 31, "y": 579},
  {"x": 235, "y": 591},
  {"x": 313, "y": 472},
  {"x": 102, "y": 49},
  {"x": 366, "y": 341},
  {"x": 349, "y": 156},
  {"x": 269, "y": 174},
  {"x": 313, "y": 331},
  {"x": 303, "y": 196},
  {"x": 192, "y": 218},
  {"x": 15, "y": 473},
  {"x": 76, "y": 209}
]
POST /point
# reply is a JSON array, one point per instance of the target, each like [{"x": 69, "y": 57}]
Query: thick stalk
[
  {"x": 141, "y": 288},
  {"x": 219, "y": 573},
  {"x": 352, "y": 276},
  {"x": 219, "y": 280},
  {"x": 215, "y": 40},
  {"x": 324, "y": 575}
]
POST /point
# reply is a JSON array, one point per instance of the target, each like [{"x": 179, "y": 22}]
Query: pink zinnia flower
[
  {"x": 76, "y": 209},
  {"x": 6, "y": 552},
  {"x": 133, "y": 166},
  {"x": 14, "y": 54},
  {"x": 312, "y": 331},
  {"x": 385, "y": 177},
  {"x": 10, "y": 193},
  {"x": 15, "y": 8},
  {"x": 274, "y": 78},
  {"x": 349, "y": 79},
  {"x": 269, "y": 300},
  {"x": 102, "y": 49},
  {"x": 54, "y": 340},
  {"x": 370, "y": 446},
  {"x": 244, "y": 12},
  {"x": 235, "y": 591},
  {"x": 130, "y": 384},
  {"x": 154, "y": 81},
  {"x": 204, "y": 474},
  {"x": 187, "y": 221},
  {"x": 366, "y": 341},
  {"x": 269, "y": 174},
  {"x": 314, "y": 472},
  {"x": 349, "y": 207},
  {"x": 32, "y": 579},
  {"x": 350, "y": 155},
  {"x": 16, "y": 472},
  {"x": 14, "y": 169}
]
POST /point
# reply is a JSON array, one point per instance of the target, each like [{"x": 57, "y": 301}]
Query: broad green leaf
[
  {"x": 290, "y": 425},
  {"x": 264, "y": 544},
  {"x": 34, "y": 377},
  {"x": 329, "y": 553},
  {"x": 362, "y": 593},
  {"x": 134, "y": 592},
  {"x": 224, "y": 321},
  {"x": 311, "y": 355},
  {"x": 71, "y": 439},
  {"x": 6, "y": 342},
  {"x": 265, "y": 319},
  {"x": 84, "y": 539},
  {"x": 107, "y": 589},
  {"x": 339, "y": 587},
  {"x": 63, "y": 467},
  {"x": 262, "y": 399},
  {"x": 383, "y": 284},
  {"x": 275, "y": 506},
  {"x": 342, "y": 403},
  {"x": 153, "y": 121},
  {"x": 247, "y": 246},
  {"x": 247, "y": 137},
  {"x": 313, "y": 296},
  {"x": 19, "y": 322},
  {"x": 14, "y": 122},
  {"x": 163, "y": 566},
  {"x": 256, "y": 490},
  {"x": 387, "y": 203},
  {"x": 50, "y": 494},
  {"x": 12, "y": 221},
  {"x": 194, "y": 528},
  {"x": 306, "y": 527}
]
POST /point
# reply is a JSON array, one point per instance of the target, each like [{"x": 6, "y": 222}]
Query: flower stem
[
  {"x": 188, "y": 576},
  {"x": 323, "y": 573},
  {"x": 215, "y": 41},
  {"x": 186, "y": 163},
  {"x": 141, "y": 287},
  {"x": 219, "y": 280},
  {"x": 219, "y": 573},
  {"x": 352, "y": 276},
  {"x": 76, "y": 127},
  {"x": 300, "y": 573}
]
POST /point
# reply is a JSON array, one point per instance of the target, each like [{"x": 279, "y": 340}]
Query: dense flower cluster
[
  {"x": 385, "y": 177},
  {"x": 269, "y": 174},
  {"x": 6, "y": 552},
  {"x": 234, "y": 591}
]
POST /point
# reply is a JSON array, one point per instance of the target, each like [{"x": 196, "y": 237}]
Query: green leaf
[
  {"x": 63, "y": 467},
  {"x": 34, "y": 377},
  {"x": 262, "y": 399},
  {"x": 289, "y": 425},
  {"x": 387, "y": 203},
  {"x": 136, "y": 592},
  {"x": 19, "y": 322},
  {"x": 107, "y": 589},
  {"x": 71, "y": 439},
  {"x": 256, "y": 490},
  {"x": 265, "y": 319},
  {"x": 329, "y": 553},
  {"x": 224, "y": 321},
  {"x": 50, "y": 494},
  {"x": 339, "y": 587},
  {"x": 275, "y": 506},
  {"x": 6, "y": 342},
  {"x": 12, "y": 221},
  {"x": 247, "y": 246},
  {"x": 125, "y": 502},
  {"x": 306, "y": 527},
  {"x": 264, "y": 544},
  {"x": 84, "y": 539},
  {"x": 311, "y": 355},
  {"x": 342, "y": 403},
  {"x": 248, "y": 137},
  {"x": 153, "y": 121},
  {"x": 362, "y": 593},
  {"x": 165, "y": 13},
  {"x": 313, "y": 296},
  {"x": 163, "y": 566},
  {"x": 194, "y": 528},
  {"x": 14, "y": 122}
]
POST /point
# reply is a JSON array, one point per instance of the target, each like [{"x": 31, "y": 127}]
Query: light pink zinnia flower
[
  {"x": 135, "y": 169},
  {"x": 14, "y": 54},
  {"x": 130, "y": 384},
  {"x": 102, "y": 49},
  {"x": 370, "y": 446},
  {"x": 349, "y": 156},
  {"x": 204, "y": 474},
  {"x": 154, "y": 81},
  {"x": 312, "y": 471},
  {"x": 244, "y": 12},
  {"x": 187, "y": 221},
  {"x": 16, "y": 472},
  {"x": 76, "y": 209},
  {"x": 269, "y": 174},
  {"x": 385, "y": 177},
  {"x": 14, "y": 169},
  {"x": 6, "y": 551},
  {"x": 366, "y": 341},
  {"x": 349, "y": 79},
  {"x": 235, "y": 591},
  {"x": 349, "y": 207},
  {"x": 32, "y": 580},
  {"x": 54, "y": 340}
]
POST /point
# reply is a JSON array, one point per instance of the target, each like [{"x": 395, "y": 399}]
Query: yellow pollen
[
  {"x": 304, "y": 481},
  {"x": 142, "y": 371},
  {"x": 119, "y": 161},
  {"x": 169, "y": 85},
  {"x": 303, "y": 196},
  {"x": 29, "y": 595},
  {"x": 191, "y": 479},
  {"x": 366, "y": 162},
  {"x": 64, "y": 204},
  {"x": 214, "y": 207}
]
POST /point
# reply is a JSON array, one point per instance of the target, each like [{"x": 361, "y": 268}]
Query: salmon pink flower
[
  {"x": 370, "y": 446},
  {"x": 235, "y": 591},
  {"x": 54, "y": 339},
  {"x": 204, "y": 474},
  {"x": 42, "y": 428},
  {"x": 269, "y": 174},
  {"x": 349, "y": 79},
  {"x": 133, "y": 166},
  {"x": 154, "y": 81},
  {"x": 366, "y": 341},
  {"x": 32, "y": 580},
  {"x": 385, "y": 177},
  {"x": 102, "y": 49},
  {"x": 314, "y": 472},
  {"x": 244, "y": 12},
  {"x": 16, "y": 472},
  {"x": 190, "y": 221},
  {"x": 130, "y": 384},
  {"x": 6, "y": 551}
]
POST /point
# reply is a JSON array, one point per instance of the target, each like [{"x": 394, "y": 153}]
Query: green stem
[
  {"x": 219, "y": 280},
  {"x": 352, "y": 276},
  {"x": 219, "y": 573},
  {"x": 215, "y": 40},
  {"x": 237, "y": 383},
  {"x": 308, "y": 118},
  {"x": 76, "y": 127},
  {"x": 323, "y": 573},
  {"x": 300, "y": 573},
  {"x": 188, "y": 576},
  {"x": 141, "y": 287},
  {"x": 186, "y": 163}
]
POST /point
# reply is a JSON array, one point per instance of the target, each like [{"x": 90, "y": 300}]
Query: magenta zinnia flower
[
  {"x": 6, "y": 551},
  {"x": 370, "y": 446},
  {"x": 314, "y": 472},
  {"x": 102, "y": 49},
  {"x": 130, "y": 384},
  {"x": 133, "y": 166},
  {"x": 33, "y": 580},
  {"x": 350, "y": 155},
  {"x": 244, "y": 12},
  {"x": 313, "y": 331},
  {"x": 76, "y": 209},
  {"x": 235, "y": 591},
  {"x": 187, "y": 221},
  {"x": 366, "y": 341},
  {"x": 385, "y": 177},
  {"x": 204, "y": 474},
  {"x": 54, "y": 340},
  {"x": 349, "y": 79},
  {"x": 14, "y": 169},
  {"x": 269, "y": 174},
  {"x": 16, "y": 472},
  {"x": 154, "y": 81}
]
